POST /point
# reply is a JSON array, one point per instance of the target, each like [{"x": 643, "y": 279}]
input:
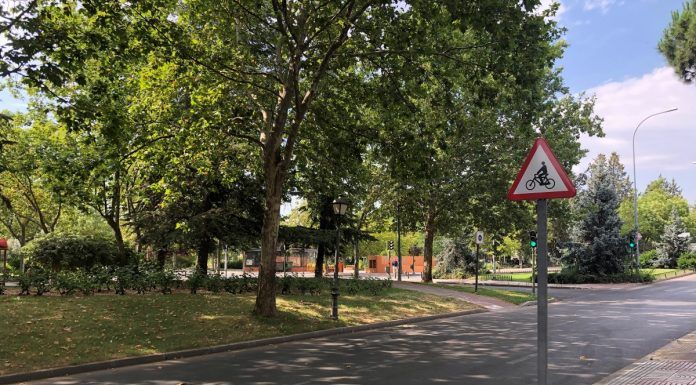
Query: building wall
[{"x": 379, "y": 263}]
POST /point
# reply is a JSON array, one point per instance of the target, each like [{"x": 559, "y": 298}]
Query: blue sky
[{"x": 613, "y": 55}]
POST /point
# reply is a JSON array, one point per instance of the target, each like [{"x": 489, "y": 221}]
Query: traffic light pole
[{"x": 542, "y": 305}]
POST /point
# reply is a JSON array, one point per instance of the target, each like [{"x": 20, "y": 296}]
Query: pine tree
[
  {"x": 600, "y": 249},
  {"x": 672, "y": 245}
]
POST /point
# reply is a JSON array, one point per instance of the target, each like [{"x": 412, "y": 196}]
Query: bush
[
  {"x": 687, "y": 261},
  {"x": 57, "y": 251},
  {"x": 235, "y": 264},
  {"x": 165, "y": 280},
  {"x": 214, "y": 283},
  {"x": 648, "y": 259},
  {"x": 196, "y": 281},
  {"x": 569, "y": 276}
]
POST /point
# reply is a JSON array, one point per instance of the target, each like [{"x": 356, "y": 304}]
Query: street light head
[{"x": 340, "y": 206}]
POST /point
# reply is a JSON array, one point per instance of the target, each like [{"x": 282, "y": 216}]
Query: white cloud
[
  {"x": 602, "y": 5},
  {"x": 664, "y": 143}
]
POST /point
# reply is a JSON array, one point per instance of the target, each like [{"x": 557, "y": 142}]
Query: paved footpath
[
  {"x": 480, "y": 300},
  {"x": 674, "y": 364}
]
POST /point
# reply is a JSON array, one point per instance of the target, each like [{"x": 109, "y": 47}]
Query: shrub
[
  {"x": 214, "y": 283},
  {"x": 24, "y": 282},
  {"x": 57, "y": 251},
  {"x": 196, "y": 281},
  {"x": 687, "y": 261},
  {"x": 165, "y": 280},
  {"x": 648, "y": 259},
  {"x": 123, "y": 277},
  {"x": 572, "y": 276},
  {"x": 39, "y": 279}
]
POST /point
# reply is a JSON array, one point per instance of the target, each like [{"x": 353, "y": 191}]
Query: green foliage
[
  {"x": 573, "y": 276},
  {"x": 655, "y": 207},
  {"x": 56, "y": 251},
  {"x": 648, "y": 259},
  {"x": 34, "y": 278},
  {"x": 196, "y": 281},
  {"x": 678, "y": 43},
  {"x": 457, "y": 258},
  {"x": 672, "y": 243},
  {"x": 600, "y": 249},
  {"x": 687, "y": 261}
]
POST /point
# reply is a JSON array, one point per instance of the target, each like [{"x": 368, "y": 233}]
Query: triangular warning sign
[{"x": 541, "y": 176}]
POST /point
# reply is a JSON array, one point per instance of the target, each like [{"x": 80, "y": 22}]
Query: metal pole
[
  {"x": 478, "y": 247},
  {"x": 398, "y": 240},
  {"x": 534, "y": 253},
  {"x": 334, "y": 289},
  {"x": 635, "y": 185},
  {"x": 542, "y": 305}
]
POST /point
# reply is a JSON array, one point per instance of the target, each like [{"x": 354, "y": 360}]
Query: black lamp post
[{"x": 339, "y": 208}]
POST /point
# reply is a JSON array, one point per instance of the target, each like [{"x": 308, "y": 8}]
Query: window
[{"x": 373, "y": 263}]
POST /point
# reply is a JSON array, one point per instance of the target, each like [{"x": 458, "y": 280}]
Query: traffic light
[
  {"x": 632, "y": 241},
  {"x": 390, "y": 245},
  {"x": 533, "y": 239}
]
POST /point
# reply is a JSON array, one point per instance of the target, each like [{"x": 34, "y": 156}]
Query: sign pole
[
  {"x": 478, "y": 246},
  {"x": 542, "y": 305}
]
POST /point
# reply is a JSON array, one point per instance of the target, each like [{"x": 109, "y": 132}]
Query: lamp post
[
  {"x": 339, "y": 208},
  {"x": 635, "y": 184}
]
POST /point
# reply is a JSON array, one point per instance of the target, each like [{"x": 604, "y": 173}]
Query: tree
[
  {"x": 655, "y": 207},
  {"x": 456, "y": 257},
  {"x": 673, "y": 242},
  {"x": 32, "y": 203},
  {"x": 600, "y": 249},
  {"x": 678, "y": 43}
]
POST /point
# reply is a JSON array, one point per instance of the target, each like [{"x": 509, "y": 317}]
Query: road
[{"x": 593, "y": 333}]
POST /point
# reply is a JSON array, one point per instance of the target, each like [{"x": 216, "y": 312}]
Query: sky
[{"x": 613, "y": 55}]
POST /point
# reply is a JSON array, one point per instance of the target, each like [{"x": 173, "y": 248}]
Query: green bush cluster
[
  {"x": 569, "y": 276},
  {"x": 649, "y": 259},
  {"x": 146, "y": 277},
  {"x": 687, "y": 261},
  {"x": 57, "y": 251}
]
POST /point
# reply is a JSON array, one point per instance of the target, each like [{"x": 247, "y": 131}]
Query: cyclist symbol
[{"x": 541, "y": 177}]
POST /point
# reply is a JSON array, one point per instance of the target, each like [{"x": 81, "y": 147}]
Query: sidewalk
[
  {"x": 480, "y": 300},
  {"x": 674, "y": 364}
]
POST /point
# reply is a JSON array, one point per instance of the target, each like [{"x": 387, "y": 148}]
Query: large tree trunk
[
  {"x": 202, "y": 251},
  {"x": 265, "y": 298},
  {"x": 428, "y": 247},
  {"x": 161, "y": 256},
  {"x": 356, "y": 257},
  {"x": 325, "y": 222}
]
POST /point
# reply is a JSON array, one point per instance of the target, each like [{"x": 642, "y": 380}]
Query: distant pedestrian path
[{"x": 485, "y": 302}]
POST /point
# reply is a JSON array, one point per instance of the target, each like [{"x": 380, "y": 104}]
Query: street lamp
[
  {"x": 635, "y": 184},
  {"x": 339, "y": 208}
]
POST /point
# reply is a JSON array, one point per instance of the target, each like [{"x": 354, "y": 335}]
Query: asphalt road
[{"x": 592, "y": 333}]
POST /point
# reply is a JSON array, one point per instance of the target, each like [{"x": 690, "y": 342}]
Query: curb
[{"x": 131, "y": 361}]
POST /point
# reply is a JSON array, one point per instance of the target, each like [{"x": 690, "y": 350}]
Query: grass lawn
[
  {"x": 514, "y": 277},
  {"x": 53, "y": 331},
  {"x": 511, "y": 296},
  {"x": 661, "y": 274}
]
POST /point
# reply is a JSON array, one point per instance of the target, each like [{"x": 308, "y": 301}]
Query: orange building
[{"x": 383, "y": 263}]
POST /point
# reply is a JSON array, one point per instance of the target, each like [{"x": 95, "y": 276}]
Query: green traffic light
[
  {"x": 632, "y": 245},
  {"x": 533, "y": 244}
]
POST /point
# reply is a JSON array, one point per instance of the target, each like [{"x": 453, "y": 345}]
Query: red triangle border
[{"x": 571, "y": 192}]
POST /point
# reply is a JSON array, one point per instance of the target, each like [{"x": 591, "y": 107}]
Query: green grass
[
  {"x": 661, "y": 274},
  {"x": 515, "y": 297},
  {"x": 514, "y": 277},
  {"x": 53, "y": 331}
]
